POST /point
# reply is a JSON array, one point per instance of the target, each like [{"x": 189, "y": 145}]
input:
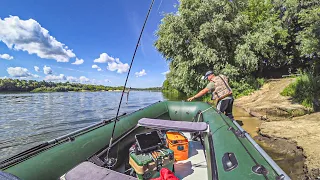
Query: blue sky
[{"x": 81, "y": 41}]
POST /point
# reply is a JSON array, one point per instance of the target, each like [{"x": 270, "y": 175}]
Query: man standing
[{"x": 221, "y": 91}]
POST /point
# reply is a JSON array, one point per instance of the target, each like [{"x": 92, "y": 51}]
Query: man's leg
[
  {"x": 229, "y": 109},
  {"x": 222, "y": 105},
  {"x": 225, "y": 106}
]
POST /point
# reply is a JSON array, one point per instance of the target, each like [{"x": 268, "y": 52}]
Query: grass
[
  {"x": 305, "y": 90},
  {"x": 246, "y": 86}
]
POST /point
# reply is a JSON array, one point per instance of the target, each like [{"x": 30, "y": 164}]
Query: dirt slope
[{"x": 268, "y": 104}]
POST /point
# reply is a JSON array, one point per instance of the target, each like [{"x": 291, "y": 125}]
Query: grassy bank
[{"x": 305, "y": 90}]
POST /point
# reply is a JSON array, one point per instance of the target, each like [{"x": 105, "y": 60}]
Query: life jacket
[{"x": 222, "y": 88}]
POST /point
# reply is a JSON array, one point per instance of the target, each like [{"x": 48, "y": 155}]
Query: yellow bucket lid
[{"x": 175, "y": 136}]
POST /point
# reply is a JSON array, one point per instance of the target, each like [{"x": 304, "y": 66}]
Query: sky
[{"x": 82, "y": 41}]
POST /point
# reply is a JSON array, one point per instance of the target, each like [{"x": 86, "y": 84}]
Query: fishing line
[
  {"x": 112, "y": 161},
  {"x": 159, "y": 5}
]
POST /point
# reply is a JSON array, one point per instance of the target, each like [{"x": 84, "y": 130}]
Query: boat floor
[{"x": 195, "y": 167}]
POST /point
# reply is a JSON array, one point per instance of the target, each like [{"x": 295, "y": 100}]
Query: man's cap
[{"x": 207, "y": 74}]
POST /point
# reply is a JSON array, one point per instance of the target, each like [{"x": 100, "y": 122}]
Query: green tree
[
  {"x": 243, "y": 39},
  {"x": 201, "y": 36}
]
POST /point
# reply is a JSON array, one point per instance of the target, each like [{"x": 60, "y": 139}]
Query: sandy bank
[
  {"x": 267, "y": 103},
  {"x": 286, "y": 120},
  {"x": 305, "y": 131}
]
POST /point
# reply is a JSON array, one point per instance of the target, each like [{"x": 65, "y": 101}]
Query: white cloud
[
  {"x": 83, "y": 79},
  {"x": 120, "y": 67},
  {"x": 107, "y": 80},
  {"x": 29, "y": 35},
  {"x": 78, "y": 61},
  {"x": 61, "y": 77},
  {"x": 4, "y": 77},
  {"x": 96, "y": 67},
  {"x": 36, "y": 68},
  {"x": 141, "y": 73},
  {"x": 18, "y": 72},
  {"x": 5, "y": 56},
  {"x": 165, "y": 73},
  {"x": 72, "y": 79},
  {"x": 47, "y": 70},
  {"x": 114, "y": 64},
  {"x": 104, "y": 58}
]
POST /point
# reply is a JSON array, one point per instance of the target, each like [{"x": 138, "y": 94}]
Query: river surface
[{"x": 28, "y": 119}]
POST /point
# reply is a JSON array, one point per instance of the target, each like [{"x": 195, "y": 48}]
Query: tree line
[
  {"x": 244, "y": 39},
  {"x": 16, "y": 85}
]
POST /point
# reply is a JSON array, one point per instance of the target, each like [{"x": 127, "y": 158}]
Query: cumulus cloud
[
  {"x": 20, "y": 72},
  {"x": 120, "y": 67},
  {"x": 5, "y": 56},
  {"x": 47, "y": 70},
  {"x": 141, "y": 73},
  {"x": 72, "y": 79},
  {"x": 83, "y": 79},
  {"x": 61, "y": 77},
  {"x": 114, "y": 64},
  {"x": 78, "y": 61},
  {"x": 104, "y": 58},
  {"x": 29, "y": 35},
  {"x": 96, "y": 67},
  {"x": 165, "y": 73},
  {"x": 36, "y": 68}
]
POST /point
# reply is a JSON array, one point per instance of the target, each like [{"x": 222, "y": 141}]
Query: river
[{"x": 27, "y": 119}]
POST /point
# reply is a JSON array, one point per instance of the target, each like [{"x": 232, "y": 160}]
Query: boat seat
[
  {"x": 90, "y": 171},
  {"x": 7, "y": 176},
  {"x": 183, "y": 126}
]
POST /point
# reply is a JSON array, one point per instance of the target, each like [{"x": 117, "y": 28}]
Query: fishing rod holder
[{"x": 110, "y": 162}]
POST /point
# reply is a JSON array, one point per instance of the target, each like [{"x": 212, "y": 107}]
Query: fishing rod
[{"x": 110, "y": 162}]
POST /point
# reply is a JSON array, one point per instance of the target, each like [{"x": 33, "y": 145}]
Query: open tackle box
[{"x": 149, "y": 154}]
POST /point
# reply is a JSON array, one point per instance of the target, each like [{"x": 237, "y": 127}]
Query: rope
[{"x": 203, "y": 112}]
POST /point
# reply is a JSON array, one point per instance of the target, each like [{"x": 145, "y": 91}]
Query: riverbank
[{"x": 287, "y": 126}]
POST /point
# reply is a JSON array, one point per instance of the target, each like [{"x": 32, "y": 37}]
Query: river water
[{"x": 28, "y": 119}]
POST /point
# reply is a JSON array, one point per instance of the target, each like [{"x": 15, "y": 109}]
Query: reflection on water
[
  {"x": 174, "y": 96},
  {"x": 248, "y": 123},
  {"x": 27, "y": 119}
]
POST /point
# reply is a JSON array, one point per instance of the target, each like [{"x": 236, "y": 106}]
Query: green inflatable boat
[{"x": 217, "y": 147}]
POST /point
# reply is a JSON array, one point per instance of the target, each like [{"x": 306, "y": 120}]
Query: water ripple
[{"x": 28, "y": 119}]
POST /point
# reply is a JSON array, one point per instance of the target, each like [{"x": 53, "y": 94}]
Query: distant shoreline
[
  {"x": 12, "y": 92},
  {"x": 32, "y": 86}
]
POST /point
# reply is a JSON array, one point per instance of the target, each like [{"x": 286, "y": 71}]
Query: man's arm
[{"x": 201, "y": 93}]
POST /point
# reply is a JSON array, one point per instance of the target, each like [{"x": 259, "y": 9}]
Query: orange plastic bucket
[{"x": 179, "y": 144}]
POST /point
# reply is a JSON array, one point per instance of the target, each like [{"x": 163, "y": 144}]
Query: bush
[
  {"x": 305, "y": 90},
  {"x": 246, "y": 86}
]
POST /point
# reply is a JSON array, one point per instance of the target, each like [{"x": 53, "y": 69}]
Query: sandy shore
[{"x": 286, "y": 120}]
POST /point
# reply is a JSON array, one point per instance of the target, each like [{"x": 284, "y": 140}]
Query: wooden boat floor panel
[{"x": 195, "y": 167}]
